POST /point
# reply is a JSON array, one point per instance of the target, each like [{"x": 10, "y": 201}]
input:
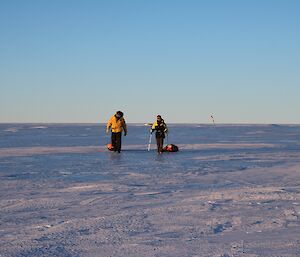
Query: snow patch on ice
[
  {"x": 12, "y": 130},
  {"x": 39, "y": 127}
]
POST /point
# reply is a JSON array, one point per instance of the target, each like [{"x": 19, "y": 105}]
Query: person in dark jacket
[{"x": 160, "y": 128}]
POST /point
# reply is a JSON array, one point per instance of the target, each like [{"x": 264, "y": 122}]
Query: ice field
[{"x": 231, "y": 190}]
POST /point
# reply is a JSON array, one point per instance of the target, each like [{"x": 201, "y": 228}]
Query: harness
[{"x": 160, "y": 128}]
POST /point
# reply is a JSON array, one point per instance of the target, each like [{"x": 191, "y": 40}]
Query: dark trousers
[
  {"x": 116, "y": 140},
  {"x": 160, "y": 144}
]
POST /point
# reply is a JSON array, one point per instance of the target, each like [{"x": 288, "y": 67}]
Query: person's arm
[
  {"x": 153, "y": 127},
  {"x": 108, "y": 125},
  {"x": 124, "y": 127},
  {"x": 166, "y": 128}
]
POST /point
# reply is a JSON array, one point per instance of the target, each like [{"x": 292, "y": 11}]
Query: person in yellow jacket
[
  {"x": 117, "y": 124},
  {"x": 161, "y": 128}
]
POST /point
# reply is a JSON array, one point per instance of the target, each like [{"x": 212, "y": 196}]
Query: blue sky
[{"x": 80, "y": 61}]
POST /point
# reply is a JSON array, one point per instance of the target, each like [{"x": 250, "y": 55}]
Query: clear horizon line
[{"x": 143, "y": 123}]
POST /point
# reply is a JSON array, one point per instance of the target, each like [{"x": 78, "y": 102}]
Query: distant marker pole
[{"x": 213, "y": 120}]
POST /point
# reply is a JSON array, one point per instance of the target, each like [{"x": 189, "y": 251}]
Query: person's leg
[
  {"x": 113, "y": 141},
  {"x": 159, "y": 144},
  {"x": 118, "y": 141},
  {"x": 162, "y": 144}
]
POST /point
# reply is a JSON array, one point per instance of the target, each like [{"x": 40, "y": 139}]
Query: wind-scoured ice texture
[{"x": 231, "y": 190}]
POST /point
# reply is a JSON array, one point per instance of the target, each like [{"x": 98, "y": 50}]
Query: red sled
[
  {"x": 171, "y": 148},
  {"x": 110, "y": 147}
]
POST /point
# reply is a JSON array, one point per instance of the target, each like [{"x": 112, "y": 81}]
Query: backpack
[{"x": 170, "y": 148}]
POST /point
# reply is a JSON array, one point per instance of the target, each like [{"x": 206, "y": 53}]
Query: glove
[
  {"x": 125, "y": 133},
  {"x": 107, "y": 131},
  {"x": 151, "y": 131}
]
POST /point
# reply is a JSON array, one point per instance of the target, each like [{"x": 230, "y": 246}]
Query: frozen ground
[{"x": 230, "y": 191}]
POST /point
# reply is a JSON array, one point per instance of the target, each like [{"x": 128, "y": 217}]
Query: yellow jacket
[{"x": 116, "y": 125}]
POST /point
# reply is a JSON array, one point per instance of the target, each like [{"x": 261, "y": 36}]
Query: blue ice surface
[{"x": 105, "y": 165}]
